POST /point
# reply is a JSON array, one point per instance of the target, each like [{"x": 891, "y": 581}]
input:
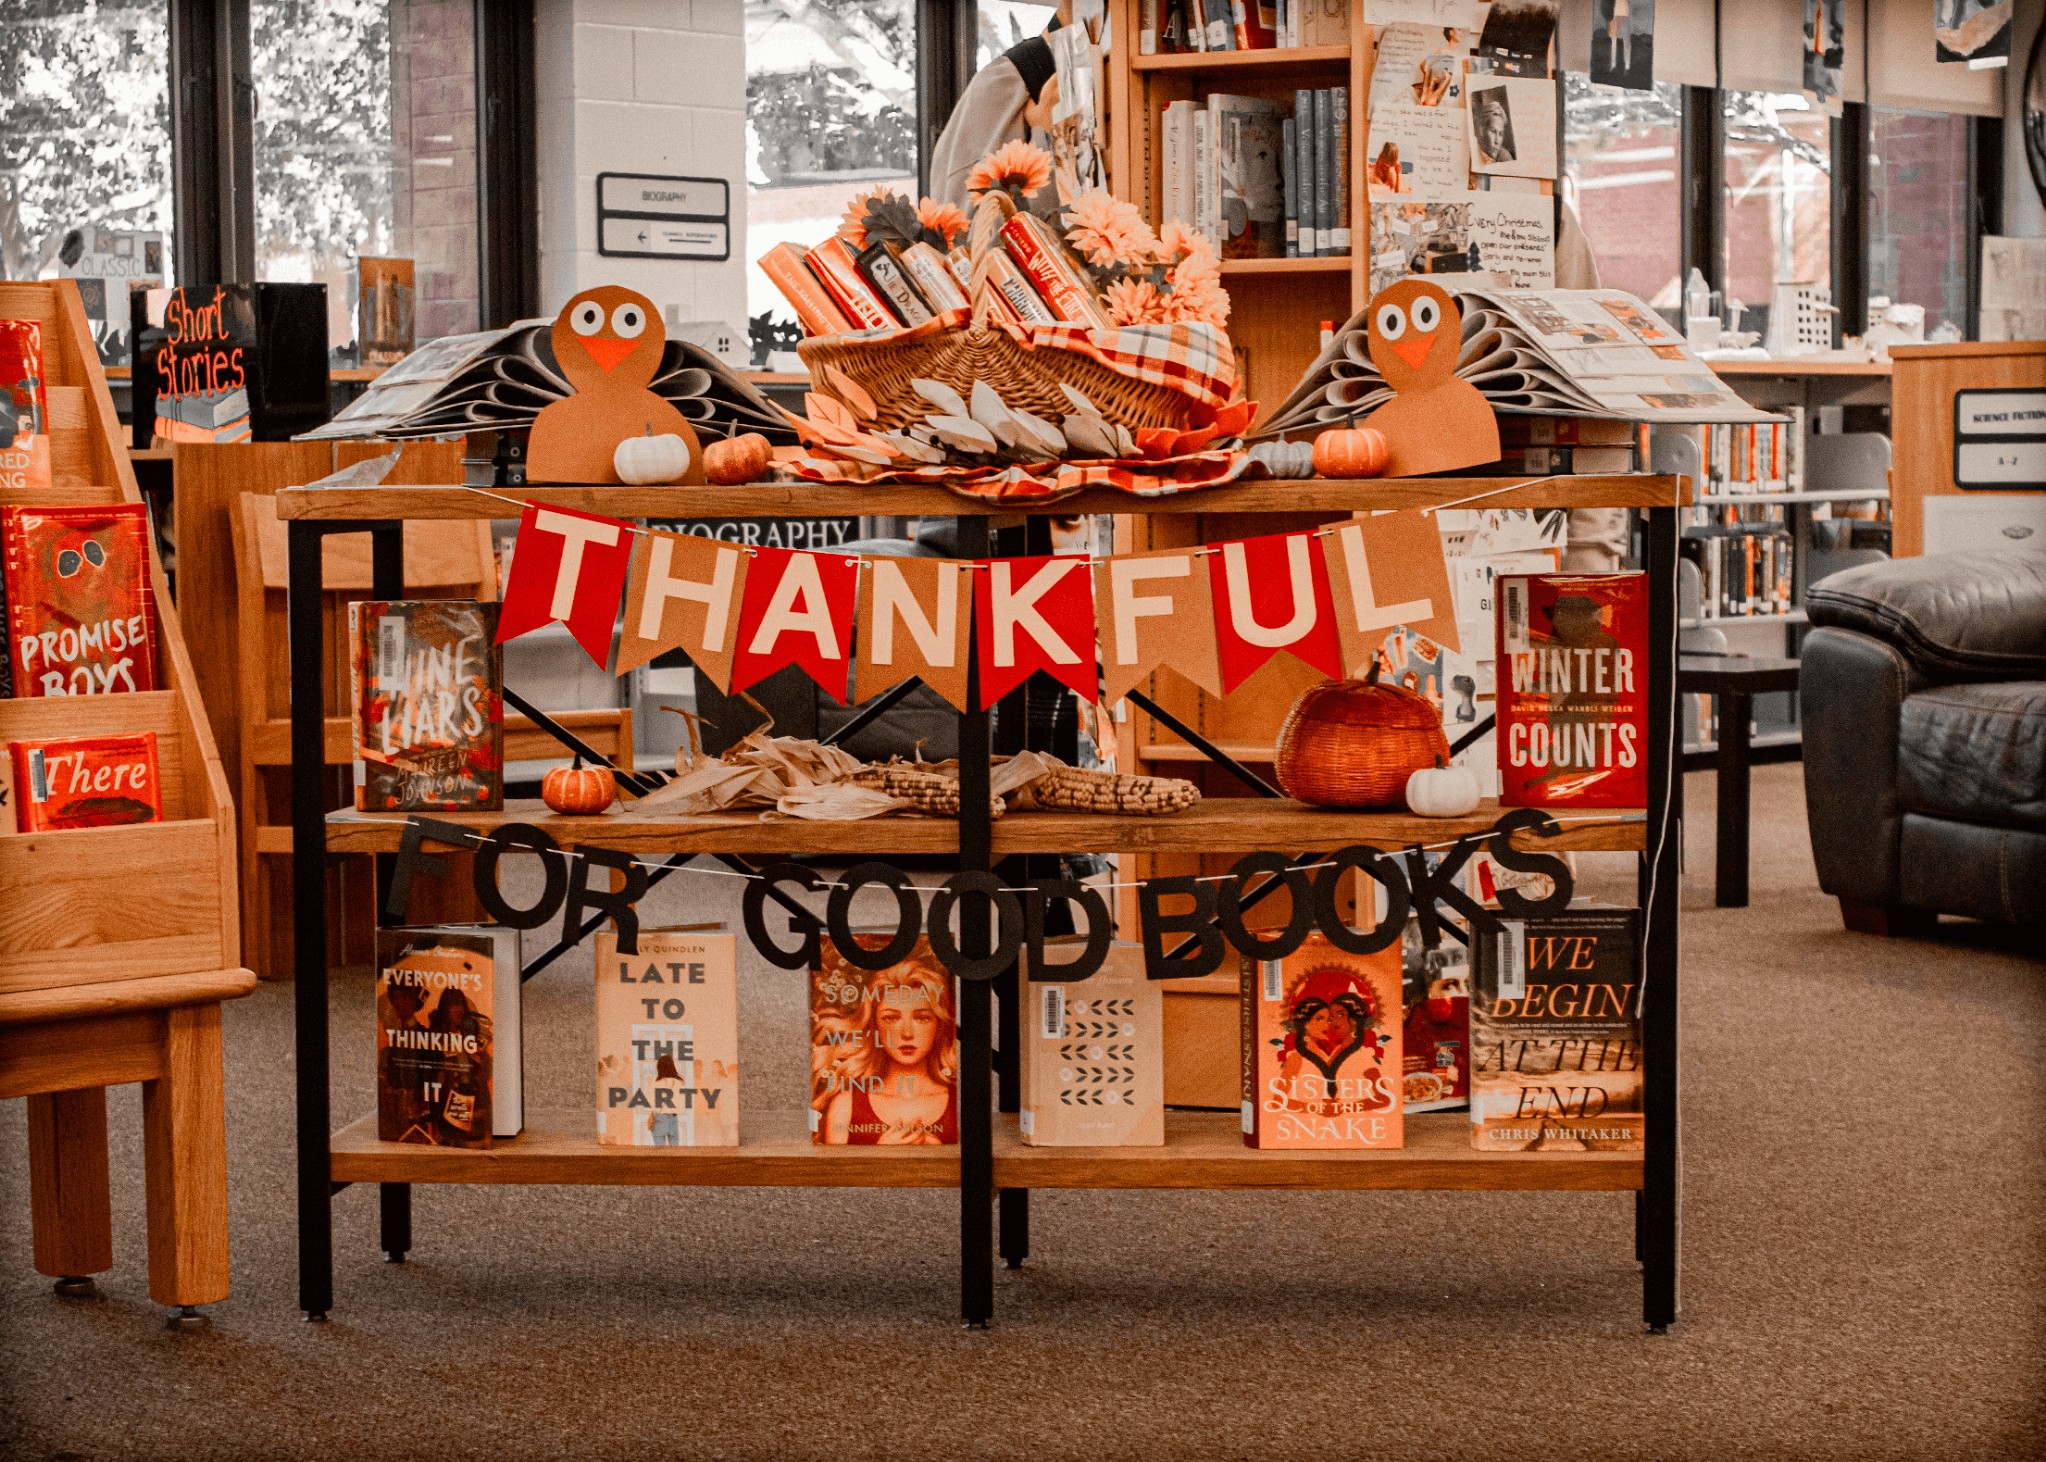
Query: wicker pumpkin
[
  {"x": 1352, "y": 451},
  {"x": 743, "y": 458},
  {"x": 1353, "y": 743},
  {"x": 579, "y": 790}
]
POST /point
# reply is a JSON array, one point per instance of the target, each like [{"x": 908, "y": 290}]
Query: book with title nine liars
[
  {"x": 1322, "y": 1049},
  {"x": 668, "y": 1039},
  {"x": 884, "y": 1049},
  {"x": 427, "y": 705},
  {"x": 450, "y": 1053},
  {"x": 1573, "y": 690},
  {"x": 1556, "y": 1035}
]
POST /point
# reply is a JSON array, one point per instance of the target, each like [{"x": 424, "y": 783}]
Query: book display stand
[
  {"x": 1201, "y": 1150},
  {"x": 117, "y": 944}
]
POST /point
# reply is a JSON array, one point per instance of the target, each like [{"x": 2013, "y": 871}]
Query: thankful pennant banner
[
  {"x": 683, "y": 593},
  {"x": 915, "y": 619},
  {"x": 1272, "y": 594},
  {"x": 1155, "y": 609},
  {"x": 797, "y": 610},
  {"x": 1034, "y": 614},
  {"x": 1387, "y": 570},
  {"x": 566, "y": 566}
]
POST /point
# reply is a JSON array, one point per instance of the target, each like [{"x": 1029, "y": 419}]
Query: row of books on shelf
[
  {"x": 1743, "y": 572},
  {"x": 1266, "y": 180},
  {"x": 1756, "y": 456},
  {"x": 1570, "y": 445},
  {"x": 1170, "y": 26},
  {"x": 1536, "y": 1035},
  {"x": 834, "y": 287}
]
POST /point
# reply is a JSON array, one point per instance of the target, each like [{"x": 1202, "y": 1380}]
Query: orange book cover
[
  {"x": 1321, "y": 1049},
  {"x": 448, "y": 1035},
  {"x": 81, "y": 613},
  {"x": 86, "y": 781},
  {"x": 1019, "y": 297},
  {"x": 668, "y": 1039},
  {"x": 833, "y": 263},
  {"x": 784, "y": 267},
  {"x": 24, "y": 414},
  {"x": 1064, "y": 290},
  {"x": 884, "y": 1050}
]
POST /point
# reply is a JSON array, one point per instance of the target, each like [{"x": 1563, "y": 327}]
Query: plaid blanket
[
  {"x": 1047, "y": 481},
  {"x": 1194, "y": 359}
]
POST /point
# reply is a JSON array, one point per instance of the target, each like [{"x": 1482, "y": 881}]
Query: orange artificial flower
[
  {"x": 1107, "y": 230},
  {"x": 1015, "y": 168},
  {"x": 1135, "y": 302},
  {"x": 946, "y": 220},
  {"x": 853, "y": 226}
]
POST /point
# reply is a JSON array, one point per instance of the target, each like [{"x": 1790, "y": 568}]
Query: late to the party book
[
  {"x": 81, "y": 618},
  {"x": 668, "y": 1039},
  {"x": 450, "y": 1058},
  {"x": 427, "y": 705},
  {"x": 884, "y": 1050},
  {"x": 1321, "y": 1049},
  {"x": 1573, "y": 690}
]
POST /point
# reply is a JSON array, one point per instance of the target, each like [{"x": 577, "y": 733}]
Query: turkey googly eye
[
  {"x": 587, "y": 318},
  {"x": 1427, "y": 315},
  {"x": 628, "y": 320},
  {"x": 1392, "y": 322}
]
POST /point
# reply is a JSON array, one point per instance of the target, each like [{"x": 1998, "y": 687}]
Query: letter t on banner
[
  {"x": 1034, "y": 614},
  {"x": 566, "y": 566},
  {"x": 1387, "y": 570}
]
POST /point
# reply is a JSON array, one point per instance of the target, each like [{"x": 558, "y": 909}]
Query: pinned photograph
[
  {"x": 1520, "y": 28},
  {"x": 1512, "y": 123},
  {"x": 1976, "y": 32},
  {"x": 1492, "y": 128},
  {"x": 1623, "y": 44}
]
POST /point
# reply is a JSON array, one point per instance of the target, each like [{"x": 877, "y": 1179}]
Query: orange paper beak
[
  {"x": 1414, "y": 351},
  {"x": 606, "y": 351}
]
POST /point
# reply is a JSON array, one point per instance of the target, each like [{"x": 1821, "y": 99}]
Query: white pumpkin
[
  {"x": 1441, "y": 791},
  {"x": 649, "y": 460}
]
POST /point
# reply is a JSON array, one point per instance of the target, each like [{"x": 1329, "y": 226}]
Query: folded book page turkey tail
[
  {"x": 608, "y": 342},
  {"x": 1435, "y": 422}
]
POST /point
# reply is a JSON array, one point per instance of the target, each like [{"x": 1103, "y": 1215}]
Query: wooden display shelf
[
  {"x": 808, "y": 499},
  {"x": 1217, "y": 825},
  {"x": 562, "y": 1147},
  {"x": 1791, "y": 366},
  {"x": 1205, "y": 1150},
  {"x": 1319, "y": 264},
  {"x": 1272, "y": 59}
]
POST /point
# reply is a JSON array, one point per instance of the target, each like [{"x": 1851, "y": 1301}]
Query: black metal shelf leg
[
  {"x": 309, "y": 920},
  {"x": 1658, "y": 1227},
  {"x": 976, "y": 937},
  {"x": 394, "y": 1221}
]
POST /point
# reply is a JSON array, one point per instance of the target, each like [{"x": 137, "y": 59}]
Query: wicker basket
[
  {"x": 1028, "y": 379},
  {"x": 1352, "y": 743}
]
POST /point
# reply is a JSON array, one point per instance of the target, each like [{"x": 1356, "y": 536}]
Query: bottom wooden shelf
[{"x": 1202, "y": 1150}]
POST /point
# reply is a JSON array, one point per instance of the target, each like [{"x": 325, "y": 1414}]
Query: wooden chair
[{"x": 442, "y": 560}]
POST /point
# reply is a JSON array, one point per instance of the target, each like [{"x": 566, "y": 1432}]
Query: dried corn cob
[
  {"x": 1077, "y": 789},
  {"x": 929, "y": 792}
]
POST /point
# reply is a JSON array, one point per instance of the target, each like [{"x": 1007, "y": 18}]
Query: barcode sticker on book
[
  {"x": 390, "y": 649},
  {"x": 38, "y": 777},
  {"x": 1514, "y": 597},
  {"x": 1272, "y": 970},
  {"x": 1511, "y": 946},
  {"x": 1053, "y": 1025}
]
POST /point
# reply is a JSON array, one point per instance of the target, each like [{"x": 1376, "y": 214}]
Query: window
[
  {"x": 1778, "y": 170},
  {"x": 365, "y": 146},
  {"x": 84, "y": 126},
  {"x": 830, "y": 112},
  {"x": 1621, "y": 167},
  {"x": 1918, "y": 207},
  {"x": 1004, "y": 23}
]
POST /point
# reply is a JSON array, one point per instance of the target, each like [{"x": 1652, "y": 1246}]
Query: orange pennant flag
[
  {"x": 915, "y": 618},
  {"x": 1384, "y": 570},
  {"x": 683, "y": 593},
  {"x": 1155, "y": 609}
]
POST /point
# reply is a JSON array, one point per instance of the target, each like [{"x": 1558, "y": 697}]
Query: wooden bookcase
[{"x": 1202, "y": 1150}]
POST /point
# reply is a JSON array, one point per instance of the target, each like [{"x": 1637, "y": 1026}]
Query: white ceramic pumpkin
[
  {"x": 649, "y": 460},
  {"x": 1441, "y": 791}
]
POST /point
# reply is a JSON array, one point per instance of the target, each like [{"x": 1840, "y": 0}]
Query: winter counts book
[
  {"x": 450, "y": 1061},
  {"x": 668, "y": 1039},
  {"x": 1573, "y": 690}
]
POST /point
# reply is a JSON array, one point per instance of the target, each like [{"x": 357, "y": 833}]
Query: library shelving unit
[
  {"x": 1202, "y": 1150},
  {"x": 117, "y": 944}
]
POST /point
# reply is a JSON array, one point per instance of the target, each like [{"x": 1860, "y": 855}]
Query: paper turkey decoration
[
  {"x": 608, "y": 342},
  {"x": 1434, "y": 422}
]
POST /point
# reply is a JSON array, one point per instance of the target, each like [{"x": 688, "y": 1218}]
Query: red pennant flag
[
  {"x": 1272, "y": 594},
  {"x": 798, "y": 610},
  {"x": 1034, "y": 614},
  {"x": 566, "y": 566}
]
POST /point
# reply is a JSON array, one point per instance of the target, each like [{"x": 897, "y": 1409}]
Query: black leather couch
[{"x": 1924, "y": 704}]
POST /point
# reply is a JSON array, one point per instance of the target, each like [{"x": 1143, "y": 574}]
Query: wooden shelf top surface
[
  {"x": 1318, "y": 264},
  {"x": 1215, "y": 825},
  {"x": 1201, "y": 1150},
  {"x": 785, "y": 500},
  {"x": 1793, "y": 366},
  {"x": 1273, "y": 58}
]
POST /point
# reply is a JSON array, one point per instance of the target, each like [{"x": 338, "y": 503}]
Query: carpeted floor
[{"x": 1865, "y": 1266}]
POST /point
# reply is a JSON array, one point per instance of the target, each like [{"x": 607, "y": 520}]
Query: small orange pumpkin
[
  {"x": 738, "y": 459},
  {"x": 1352, "y": 451},
  {"x": 579, "y": 790}
]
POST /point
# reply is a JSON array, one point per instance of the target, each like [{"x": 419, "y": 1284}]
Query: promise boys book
[
  {"x": 427, "y": 705},
  {"x": 1093, "y": 1058},
  {"x": 81, "y": 619},
  {"x": 884, "y": 1050},
  {"x": 668, "y": 1039},
  {"x": 1556, "y": 1035},
  {"x": 1321, "y": 1049},
  {"x": 1573, "y": 690},
  {"x": 85, "y": 781},
  {"x": 450, "y": 1061}
]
